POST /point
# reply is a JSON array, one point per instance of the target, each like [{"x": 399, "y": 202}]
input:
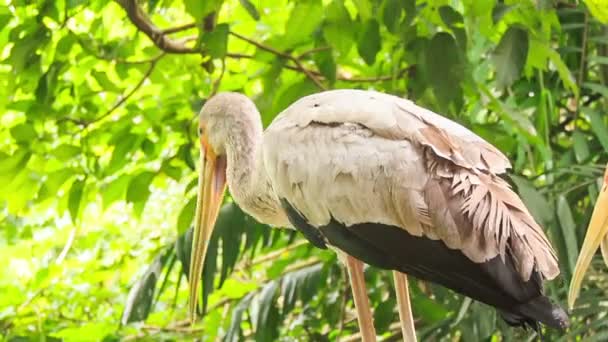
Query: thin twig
[
  {"x": 129, "y": 94},
  {"x": 285, "y": 55},
  {"x": 180, "y": 28},
  {"x": 314, "y": 50}
]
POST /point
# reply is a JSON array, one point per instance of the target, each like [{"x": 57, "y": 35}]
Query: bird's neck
[{"x": 246, "y": 175}]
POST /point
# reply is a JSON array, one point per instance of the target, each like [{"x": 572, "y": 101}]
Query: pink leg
[
  {"x": 364, "y": 312},
  {"x": 405, "y": 310}
]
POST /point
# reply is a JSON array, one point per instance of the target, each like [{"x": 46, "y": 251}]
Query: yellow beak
[
  {"x": 211, "y": 187},
  {"x": 597, "y": 231}
]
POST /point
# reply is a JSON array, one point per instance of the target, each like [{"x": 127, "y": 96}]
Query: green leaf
[
  {"x": 24, "y": 133},
  {"x": 596, "y": 87},
  {"x": 216, "y": 41},
  {"x": 510, "y": 55},
  {"x": 338, "y": 27},
  {"x": 598, "y": 126},
  {"x": 184, "y": 220},
  {"x": 581, "y": 148},
  {"x": 499, "y": 11},
  {"x": 444, "y": 67},
  {"x": 141, "y": 295},
  {"x": 364, "y": 7},
  {"x": 53, "y": 182},
  {"x": 265, "y": 330},
  {"x": 303, "y": 21},
  {"x": 233, "y": 334},
  {"x": 115, "y": 190},
  {"x": 105, "y": 83},
  {"x": 66, "y": 152},
  {"x": 75, "y": 198},
  {"x": 392, "y": 14},
  {"x": 566, "y": 222},
  {"x": 538, "y": 205},
  {"x": 326, "y": 64},
  {"x": 251, "y": 9},
  {"x": 199, "y": 9},
  {"x": 369, "y": 42},
  {"x": 598, "y": 9},
  {"x": 139, "y": 188}
]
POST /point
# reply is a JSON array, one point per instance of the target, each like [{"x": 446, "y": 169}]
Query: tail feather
[{"x": 539, "y": 309}]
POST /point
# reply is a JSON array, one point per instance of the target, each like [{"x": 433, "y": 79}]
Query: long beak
[
  {"x": 597, "y": 231},
  {"x": 211, "y": 187}
]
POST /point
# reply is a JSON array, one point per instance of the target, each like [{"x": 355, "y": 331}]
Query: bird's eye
[{"x": 200, "y": 131}]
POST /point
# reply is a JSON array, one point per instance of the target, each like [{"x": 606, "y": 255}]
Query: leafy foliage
[{"x": 98, "y": 104}]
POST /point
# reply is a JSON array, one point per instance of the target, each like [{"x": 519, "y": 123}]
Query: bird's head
[{"x": 220, "y": 120}]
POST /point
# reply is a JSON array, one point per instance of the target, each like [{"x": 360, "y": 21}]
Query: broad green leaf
[
  {"x": 581, "y": 148},
  {"x": 105, "y": 82},
  {"x": 364, "y": 7},
  {"x": 184, "y": 220},
  {"x": 139, "y": 187},
  {"x": 326, "y": 64},
  {"x": 141, "y": 295},
  {"x": 444, "y": 67},
  {"x": 338, "y": 29},
  {"x": 24, "y": 133},
  {"x": 596, "y": 87},
  {"x": 66, "y": 152},
  {"x": 510, "y": 55},
  {"x": 599, "y": 9},
  {"x": 216, "y": 41},
  {"x": 53, "y": 183},
  {"x": 392, "y": 14},
  {"x": 499, "y": 11},
  {"x": 598, "y": 126},
  {"x": 568, "y": 226},
  {"x": 564, "y": 73},
  {"x": 538, "y": 205},
  {"x": 266, "y": 330},
  {"x": 369, "y": 41},
  {"x": 303, "y": 21},
  {"x": 199, "y": 9},
  {"x": 233, "y": 334},
  {"x": 115, "y": 190},
  {"x": 75, "y": 199}
]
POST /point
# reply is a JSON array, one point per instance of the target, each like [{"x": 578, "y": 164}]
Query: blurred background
[{"x": 98, "y": 147}]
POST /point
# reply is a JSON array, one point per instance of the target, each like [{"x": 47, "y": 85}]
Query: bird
[
  {"x": 596, "y": 236},
  {"x": 383, "y": 182}
]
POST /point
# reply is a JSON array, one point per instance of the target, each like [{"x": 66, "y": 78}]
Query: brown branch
[
  {"x": 285, "y": 55},
  {"x": 145, "y": 25},
  {"x": 180, "y": 28}
]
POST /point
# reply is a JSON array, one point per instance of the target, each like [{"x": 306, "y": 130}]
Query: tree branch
[
  {"x": 158, "y": 36},
  {"x": 310, "y": 74},
  {"x": 179, "y": 28}
]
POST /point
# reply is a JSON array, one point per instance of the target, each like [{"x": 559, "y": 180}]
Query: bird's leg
[
  {"x": 405, "y": 310},
  {"x": 364, "y": 312}
]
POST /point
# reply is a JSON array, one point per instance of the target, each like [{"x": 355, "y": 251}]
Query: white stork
[
  {"x": 383, "y": 181},
  {"x": 596, "y": 236}
]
